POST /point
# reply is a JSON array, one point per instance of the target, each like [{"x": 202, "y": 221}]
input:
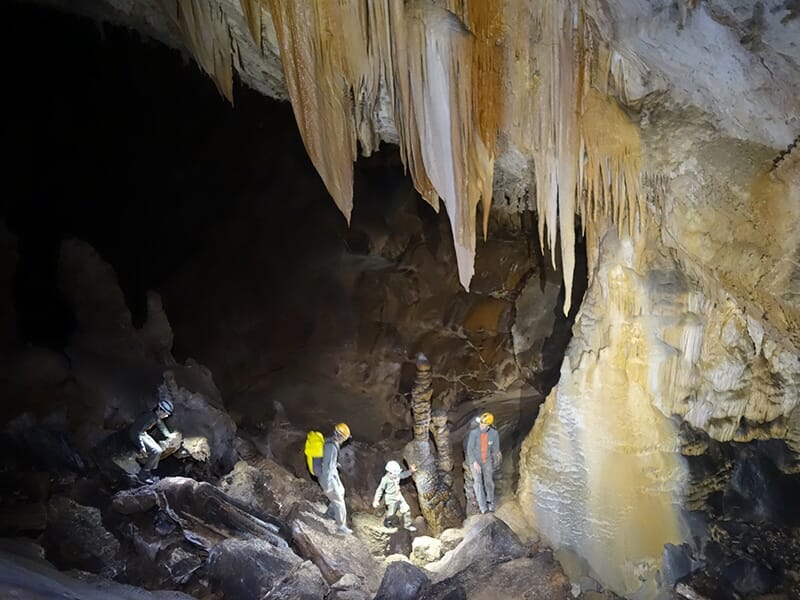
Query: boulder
[
  {"x": 246, "y": 569},
  {"x": 349, "y": 587},
  {"x": 304, "y": 582},
  {"x": 25, "y": 576},
  {"x": 488, "y": 541},
  {"x": 539, "y": 577},
  {"x": 336, "y": 555},
  {"x": 451, "y": 538},
  {"x": 402, "y": 581},
  {"x": 76, "y": 538},
  {"x": 264, "y": 485},
  {"x": 179, "y": 563},
  {"x": 425, "y": 550},
  {"x": 205, "y": 514}
]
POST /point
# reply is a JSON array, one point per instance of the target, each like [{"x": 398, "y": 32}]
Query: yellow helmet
[
  {"x": 343, "y": 430},
  {"x": 486, "y": 418}
]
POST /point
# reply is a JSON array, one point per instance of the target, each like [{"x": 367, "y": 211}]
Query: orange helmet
[{"x": 343, "y": 430}]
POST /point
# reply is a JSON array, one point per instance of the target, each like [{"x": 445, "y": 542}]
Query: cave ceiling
[{"x": 568, "y": 108}]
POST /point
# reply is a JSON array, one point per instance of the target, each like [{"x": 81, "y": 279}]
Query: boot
[
  {"x": 407, "y": 522},
  {"x": 147, "y": 478}
]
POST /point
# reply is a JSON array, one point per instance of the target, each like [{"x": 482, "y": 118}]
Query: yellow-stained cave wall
[{"x": 659, "y": 339}]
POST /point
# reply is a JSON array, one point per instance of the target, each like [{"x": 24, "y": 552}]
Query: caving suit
[
  {"x": 144, "y": 442},
  {"x": 483, "y": 447},
  {"x": 389, "y": 488},
  {"x": 331, "y": 484}
]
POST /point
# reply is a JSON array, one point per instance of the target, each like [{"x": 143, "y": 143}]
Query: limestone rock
[
  {"x": 156, "y": 332},
  {"x": 451, "y": 538},
  {"x": 402, "y": 581},
  {"x": 205, "y": 515},
  {"x": 304, "y": 582},
  {"x": 180, "y": 564},
  {"x": 77, "y": 538},
  {"x": 381, "y": 541},
  {"x": 488, "y": 541},
  {"x": 426, "y": 550},
  {"x": 23, "y": 576},
  {"x": 335, "y": 555},
  {"x": 243, "y": 569},
  {"x": 103, "y": 318},
  {"x": 517, "y": 579}
]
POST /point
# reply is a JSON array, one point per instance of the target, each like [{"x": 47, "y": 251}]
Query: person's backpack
[{"x": 315, "y": 446}]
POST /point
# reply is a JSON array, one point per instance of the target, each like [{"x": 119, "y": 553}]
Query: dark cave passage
[
  {"x": 126, "y": 146},
  {"x": 271, "y": 302}
]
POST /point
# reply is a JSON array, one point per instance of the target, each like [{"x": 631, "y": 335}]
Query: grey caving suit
[
  {"x": 330, "y": 482},
  {"x": 483, "y": 447},
  {"x": 144, "y": 442},
  {"x": 390, "y": 486}
]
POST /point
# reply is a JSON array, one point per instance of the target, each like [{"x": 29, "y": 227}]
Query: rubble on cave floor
[{"x": 256, "y": 532}]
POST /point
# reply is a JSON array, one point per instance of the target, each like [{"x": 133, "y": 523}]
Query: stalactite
[
  {"x": 456, "y": 72},
  {"x": 487, "y": 25},
  {"x": 252, "y": 14},
  {"x": 456, "y": 160},
  {"x": 556, "y": 129},
  {"x": 612, "y": 161},
  {"x": 444, "y": 80},
  {"x": 207, "y": 35},
  {"x": 312, "y": 52}
]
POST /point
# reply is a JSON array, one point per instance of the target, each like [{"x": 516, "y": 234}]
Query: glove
[{"x": 375, "y": 504}]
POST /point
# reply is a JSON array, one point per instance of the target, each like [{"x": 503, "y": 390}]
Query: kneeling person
[
  {"x": 389, "y": 487},
  {"x": 144, "y": 441}
]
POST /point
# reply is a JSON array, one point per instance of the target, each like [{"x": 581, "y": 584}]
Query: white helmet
[{"x": 393, "y": 468}]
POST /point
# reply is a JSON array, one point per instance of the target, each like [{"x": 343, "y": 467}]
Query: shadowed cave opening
[
  {"x": 125, "y": 148},
  {"x": 128, "y": 147}
]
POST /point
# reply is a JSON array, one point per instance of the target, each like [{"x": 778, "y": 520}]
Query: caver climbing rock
[{"x": 389, "y": 488}]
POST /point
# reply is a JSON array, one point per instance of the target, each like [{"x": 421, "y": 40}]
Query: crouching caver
[
  {"x": 389, "y": 487},
  {"x": 144, "y": 442}
]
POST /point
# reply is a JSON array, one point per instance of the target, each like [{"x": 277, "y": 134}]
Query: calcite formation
[{"x": 665, "y": 135}]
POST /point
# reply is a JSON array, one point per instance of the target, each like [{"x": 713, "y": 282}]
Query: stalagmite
[
  {"x": 421, "y": 395},
  {"x": 441, "y": 437},
  {"x": 434, "y": 485}
]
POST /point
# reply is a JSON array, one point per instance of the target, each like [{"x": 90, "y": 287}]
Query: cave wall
[
  {"x": 689, "y": 321},
  {"x": 679, "y": 113}
]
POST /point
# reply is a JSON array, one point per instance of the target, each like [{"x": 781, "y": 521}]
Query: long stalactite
[{"x": 456, "y": 73}]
